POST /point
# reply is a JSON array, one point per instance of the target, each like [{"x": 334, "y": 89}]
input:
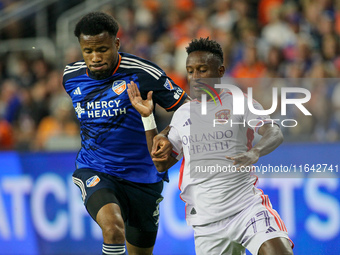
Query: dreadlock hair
[
  {"x": 95, "y": 23},
  {"x": 205, "y": 44}
]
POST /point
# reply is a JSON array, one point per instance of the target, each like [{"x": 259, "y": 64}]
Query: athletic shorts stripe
[
  {"x": 277, "y": 215},
  {"x": 279, "y": 222},
  {"x": 80, "y": 184},
  {"x": 265, "y": 203}
]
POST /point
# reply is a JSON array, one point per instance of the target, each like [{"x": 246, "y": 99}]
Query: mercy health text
[{"x": 99, "y": 109}]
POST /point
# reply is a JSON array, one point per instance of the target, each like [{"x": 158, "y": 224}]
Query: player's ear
[
  {"x": 221, "y": 70},
  {"x": 117, "y": 43}
]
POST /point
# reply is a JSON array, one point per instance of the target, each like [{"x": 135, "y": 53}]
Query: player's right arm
[
  {"x": 163, "y": 163},
  {"x": 159, "y": 145}
]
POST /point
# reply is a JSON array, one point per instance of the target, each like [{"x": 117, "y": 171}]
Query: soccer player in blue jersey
[{"x": 119, "y": 183}]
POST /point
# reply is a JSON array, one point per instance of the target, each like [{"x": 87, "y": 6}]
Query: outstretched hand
[
  {"x": 245, "y": 159},
  {"x": 144, "y": 107}
]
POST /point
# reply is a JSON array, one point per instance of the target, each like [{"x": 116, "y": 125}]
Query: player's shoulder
[
  {"x": 74, "y": 69},
  {"x": 130, "y": 59},
  {"x": 141, "y": 66},
  {"x": 226, "y": 95},
  {"x": 181, "y": 116},
  {"x": 185, "y": 107}
]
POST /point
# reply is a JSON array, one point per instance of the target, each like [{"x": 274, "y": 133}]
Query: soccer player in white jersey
[{"x": 227, "y": 212}]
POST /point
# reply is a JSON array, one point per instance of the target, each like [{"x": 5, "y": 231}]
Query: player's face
[
  {"x": 100, "y": 53},
  {"x": 203, "y": 68}
]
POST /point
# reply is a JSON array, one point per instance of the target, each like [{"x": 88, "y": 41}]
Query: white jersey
[{"x": 210, "y": 185}]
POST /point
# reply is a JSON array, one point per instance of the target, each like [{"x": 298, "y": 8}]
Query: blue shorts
[{"x": 139, "y": 202}]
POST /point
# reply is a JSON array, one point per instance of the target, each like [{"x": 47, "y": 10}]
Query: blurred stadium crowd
[{"x": 267, "y": 43}]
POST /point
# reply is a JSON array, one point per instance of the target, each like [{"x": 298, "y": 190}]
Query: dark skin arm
[
  {"x": 163, "y": 164},
  {"x": 159, "y": 146},
  {"x": 144, "y": 107},
  {"x": 271, "y": 138}
]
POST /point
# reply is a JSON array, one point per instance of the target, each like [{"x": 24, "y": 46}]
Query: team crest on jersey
[
  {"x": 222, "y": 114},
  {"x": 168, "y": 85},
  {"x": 119, "y": 86},
  {"x": 92, "y": 181}
]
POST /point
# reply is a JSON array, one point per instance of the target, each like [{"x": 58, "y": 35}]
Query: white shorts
[{"x": 248, "y": 229}]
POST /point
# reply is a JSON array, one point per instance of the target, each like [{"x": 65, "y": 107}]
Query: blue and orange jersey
[{"x": 112, "y": 133}]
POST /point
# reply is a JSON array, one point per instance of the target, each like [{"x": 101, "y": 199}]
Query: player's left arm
[
  {"x": 162, "y": 147},
  {"x": 169, "y": 96},
  {"x": 271, "y": 138}
]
